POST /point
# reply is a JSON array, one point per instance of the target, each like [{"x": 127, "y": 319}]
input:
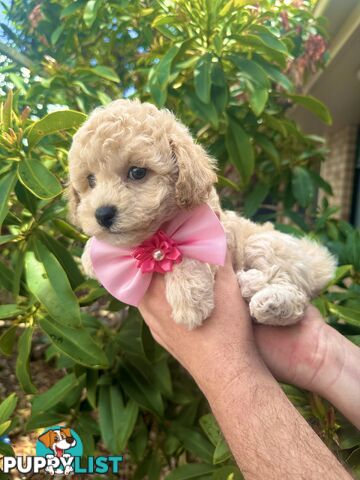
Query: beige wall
[{"x": 339, "y": 168}]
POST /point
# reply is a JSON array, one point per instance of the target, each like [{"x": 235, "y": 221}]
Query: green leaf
[
  {"x": 38, "y": 179},
  {"x": 302, "y": 186},
  {"x": 64, "y": 257},
  {"x": 47, "y": 280},
  {"x": 4, "y": 426},
  {"x": 26, "y": 198},
  {"x": 222, "y": 452},
  {"x": 54, "y": 395},
  {"x": 46, "y": 419},
  {"x": 22, "y": 363},
  {"x": 240, "y": 150},
  {"x": 7, "y": 111},
  {"x": 226, "y": 182},
  {"x": 354, "y": 338},
  {"x": 204, "y": 111},
  {"x": 251, "y": 71},
  {"x": 69, "y": 231},
  {"x": 106, "y": 419},
  {"x": 227, "y": 472},
  {"x": 350, "y": 315},
  {"x": 7, "y": 340},
  {"x": 7, "y": 238},
  {"x": 255, "y": 198},
  {"x": 70, "y": 9},
  {"x": 276, "y": 75},
  {"x": 141, "y": 390},
  {"x": 105, "y": 72},
  {"x": 163, "y": 68},
  {"x": 219, "y": 90},
  {"x": 211, "y": 428},
  {"x": 268, "y": 38},
  {"x": 7, "y": 183},
  {"x": 56, "y": 34},
  {"x": 76, "y": 343},
  {"x": 319, "y": 182},
  {"x": 190, "y": 471},
  {"x": 202, "y": 78},
  {"x": 6, "y": 277},
  {"x": 314, "y": 105},
  {"x": 90, "y": 12},
  {"x": 340, "y": 273},
  {"x": 117, "y": 421},
  {"x": 10, "y": 311},
  {"x": 194, "y": 442},
  {"x": 257, "y": 82},
  {"x": 258, "y": 100},
  {"x": 6, "y": 449},
  {"x": 7, "y": 407},
  {"x": 269, "y": 148},
  {"x": 52, "y": 123}
]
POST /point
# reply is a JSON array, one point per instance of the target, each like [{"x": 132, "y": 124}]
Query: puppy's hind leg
[
  {"x": 190, "y": 292},
  {"x": 278, "y": 304}
]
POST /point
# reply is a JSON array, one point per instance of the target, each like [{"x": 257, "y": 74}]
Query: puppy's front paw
[
  {"x": 86, "y": 260},
  {"x": 278, "y": 305},
  {"x": 191, "y": 317},
  {"x": 189, "y": 291}
]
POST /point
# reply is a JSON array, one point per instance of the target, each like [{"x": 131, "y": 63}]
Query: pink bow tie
[{"x": 126, "y": 272}]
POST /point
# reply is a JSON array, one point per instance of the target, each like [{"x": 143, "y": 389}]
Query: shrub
[{"x": 231, "y": 70}]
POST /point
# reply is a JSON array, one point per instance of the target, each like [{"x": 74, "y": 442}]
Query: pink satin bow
[{"x": 126, "y": 272}]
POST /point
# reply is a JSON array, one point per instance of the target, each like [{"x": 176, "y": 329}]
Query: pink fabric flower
[{"x": 157, "y": 254}]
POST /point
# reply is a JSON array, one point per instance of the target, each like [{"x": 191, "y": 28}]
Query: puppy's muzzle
[{"x": 105, "y": 215}]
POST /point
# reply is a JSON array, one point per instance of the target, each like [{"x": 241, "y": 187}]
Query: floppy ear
[
  {"x": 73, "y": 201},
  {"x": 66, "y": 431},
  {"x": 47, "y": 438},
  {"x": 196, "y": 173}
]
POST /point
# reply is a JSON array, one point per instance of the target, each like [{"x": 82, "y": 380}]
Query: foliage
[{"x": 230, "y": 70}]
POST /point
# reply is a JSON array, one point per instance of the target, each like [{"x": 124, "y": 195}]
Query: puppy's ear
[
  {"x": 47, "y": 438},
  {"x": 73, "y": 201},
  {"x": 66, "y": 431},
  {"x": 196, "y": 173}
]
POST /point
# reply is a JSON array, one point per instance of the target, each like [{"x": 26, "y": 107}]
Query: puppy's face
[{"x": 132, "y": 167}]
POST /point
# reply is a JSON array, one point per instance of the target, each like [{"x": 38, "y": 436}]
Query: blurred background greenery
[{"x": 238, "y": 73}]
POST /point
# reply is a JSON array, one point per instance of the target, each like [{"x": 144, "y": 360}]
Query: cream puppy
[{"x": 134, "y": 167}]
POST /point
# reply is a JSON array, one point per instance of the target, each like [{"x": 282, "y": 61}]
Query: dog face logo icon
[{"x": 59, "y": 445}]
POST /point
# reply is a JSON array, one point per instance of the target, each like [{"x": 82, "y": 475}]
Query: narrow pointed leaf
[
  {"x": 314, "y": 105},
  {"x": 22, "y": 363},
  {"x": 240, "y": 150},
  {"x": 47, "y": 280},
  {"x": 7, "y": 407},
  {"x": 54, "y": 394},
  {"x": 302, "y": 186},
  {"x": 7, "y": 183},
  {"x": 202, "y": 78},
  {"x": 75, "y": 343}
]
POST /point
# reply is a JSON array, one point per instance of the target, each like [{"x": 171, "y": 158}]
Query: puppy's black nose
[
  {"x": 69, "y": 439},
  {"x": 105, "y": 215}
]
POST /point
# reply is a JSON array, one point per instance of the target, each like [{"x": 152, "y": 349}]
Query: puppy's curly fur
[{"x": 278, "y": 274}]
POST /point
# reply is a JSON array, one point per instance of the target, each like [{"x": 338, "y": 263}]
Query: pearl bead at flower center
[{"x": 158, "y": 255}]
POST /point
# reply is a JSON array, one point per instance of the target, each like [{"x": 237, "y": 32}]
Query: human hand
[
  {"x": 314, "y": 356},
  {"x": 295, "y": 354},
  {"x": 218, "y": 349}
]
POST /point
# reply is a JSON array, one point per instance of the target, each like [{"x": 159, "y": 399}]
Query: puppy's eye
[
  {"x": 91, "y": 180},
  {"x": 136, "y": 173}
]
